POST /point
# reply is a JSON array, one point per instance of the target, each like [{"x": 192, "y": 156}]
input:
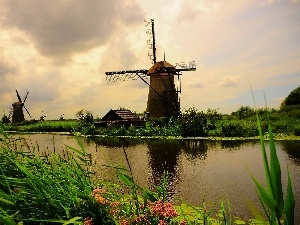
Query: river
[{"x": 197, "y": 169}]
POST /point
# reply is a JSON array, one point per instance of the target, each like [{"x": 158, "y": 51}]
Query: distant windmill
[
  {"x": 164, "y": 95},
  {"x": 17, "y": 114}
]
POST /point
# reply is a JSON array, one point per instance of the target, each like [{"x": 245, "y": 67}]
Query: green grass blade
[
  {"x": 266, "y": 198},
  {"x": 275, "y": 172},
  {"x": 289, "y": 206},
  {"x": 126, "y": 179},
  {"x": 263, "y": 150},
  {"x": 6, "y": 220}
]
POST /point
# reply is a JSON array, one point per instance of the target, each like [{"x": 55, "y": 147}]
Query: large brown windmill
[
  {"x": 17, "y": 114},
  {"x": 164, "y": 94}
]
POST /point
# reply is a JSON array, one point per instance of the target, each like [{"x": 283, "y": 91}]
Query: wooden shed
[{"x": 121, "y": 117}]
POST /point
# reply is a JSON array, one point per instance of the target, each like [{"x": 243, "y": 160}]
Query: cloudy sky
[{"x": 59, "y": 50}]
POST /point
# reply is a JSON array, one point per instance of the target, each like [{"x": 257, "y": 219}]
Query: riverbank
[{"x": 276, "y": 137}]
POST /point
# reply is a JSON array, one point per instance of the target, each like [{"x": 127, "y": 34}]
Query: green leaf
[
  {"x": 6, "y": 220},
  {"x": 275, "y": 172},
  {"x": 289, "y": 206},
  {"x": 265, "y": 196},
  {"x": 71, "y": 221},
  {"x": 149, "y": 195},
  {"x": 239, "y": 222},
  {"x": 126, "y": 179},
  {"x": 7, "y": 201}
]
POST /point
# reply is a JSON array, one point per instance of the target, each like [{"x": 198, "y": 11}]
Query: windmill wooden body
[
  {"x": 17, "y": 112},
  {"x": 165, "y": 81}
]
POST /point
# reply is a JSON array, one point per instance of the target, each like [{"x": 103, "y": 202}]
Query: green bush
[
  {"x": 297, "y": 130},
  {"x": 244, "y": 112},
  {"x": 193, "y": 123},
  {"x": 237, "y": 128},
  {"x": 5, "y": 119}
]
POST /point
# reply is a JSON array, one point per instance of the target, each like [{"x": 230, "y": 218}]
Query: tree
[
  {"x": 86, "y": 116},
  {"x": 5, "y": 119},
  {"x": 244, "y": 112},
  {"x": 292, "y": 99},
  {"x": 193, "y": 123}
]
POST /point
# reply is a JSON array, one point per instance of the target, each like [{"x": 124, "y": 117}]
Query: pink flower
[
  {"x": 88, "y": 221},
  {"x": 158, "y": 208},
  {"x": 162, "y": 222}
]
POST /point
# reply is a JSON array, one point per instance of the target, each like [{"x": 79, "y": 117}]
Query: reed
[
  {"x": 45, "y": 189},
  {"x": 275, "y": 206}
]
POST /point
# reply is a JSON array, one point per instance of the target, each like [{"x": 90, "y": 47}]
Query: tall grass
[
  {"x": 275, "y": 206},
  {"x": 45, "y": 189}
]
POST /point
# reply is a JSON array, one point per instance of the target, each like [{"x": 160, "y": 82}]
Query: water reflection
[
  {"x": 195, "y": 149},
  {"x": 163, "y": 156},
  {"x": 292, "y": 148},
  {"x": 114, "y": 142},
  {"x": 235, "y": 144}
]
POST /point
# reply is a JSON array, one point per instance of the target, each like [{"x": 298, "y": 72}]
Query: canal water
[{"x": 197, "y": 169}]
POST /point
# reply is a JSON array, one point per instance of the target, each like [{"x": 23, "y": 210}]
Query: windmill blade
[
  {"x": 18, "y": 96},
  {"x": 27, "y": 92},
  {"x": 27, "y": 111}
]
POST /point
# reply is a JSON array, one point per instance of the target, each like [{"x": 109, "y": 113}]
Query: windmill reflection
[{"x": 163, "y": 156}]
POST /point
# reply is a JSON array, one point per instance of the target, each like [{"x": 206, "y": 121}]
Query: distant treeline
[{"x": 191, "y": 123}]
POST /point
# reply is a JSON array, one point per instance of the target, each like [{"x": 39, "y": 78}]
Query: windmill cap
[
  {"x": 17, "y": 104},
  {"x": 159, "y": 67}
]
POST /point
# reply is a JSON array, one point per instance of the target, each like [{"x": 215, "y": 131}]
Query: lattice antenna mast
[{"x": 151, "y": 40}]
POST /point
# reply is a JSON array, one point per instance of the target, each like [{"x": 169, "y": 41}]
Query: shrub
[
  {"x": 292, "y": 99},
  {"x": 297, "y": 130},
  {"x": 237, "y": 128},
  {"x": 244, "y": 112},
  {"x": 193, "y": 123},
  {"x": 5, "y": 119}
]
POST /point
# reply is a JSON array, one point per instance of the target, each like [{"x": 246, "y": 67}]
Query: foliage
[
  {"x": 5, "y": 119},
  {"x": 46, "y": 189},
  {"x": 192, "y": 123},
  {"x": 85, "y": 116},
  {"x": 297, "y": 130},
  {"x": 244, "y": 112},
  {"x": 45, "y": 126},
  {"x": 195, "y": 123},
  {"x": 271, "y": 198},
  {"x": 235, "y": 128},
  {"x": 292, "y": 99}
]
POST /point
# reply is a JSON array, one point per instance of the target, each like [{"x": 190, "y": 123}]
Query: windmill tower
[
  {"x": 17, "y": 114},
  {"x": 165, "y": 81}
]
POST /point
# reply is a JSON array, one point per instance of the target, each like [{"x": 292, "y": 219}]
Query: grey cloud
[{"x": 60, "y": 28}]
